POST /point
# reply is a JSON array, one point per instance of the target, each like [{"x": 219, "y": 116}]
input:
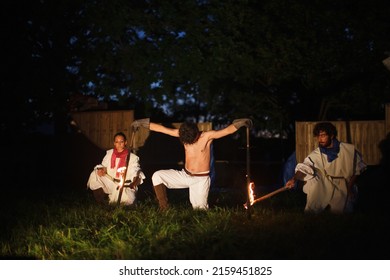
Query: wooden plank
[
  {"x": 106, "y": 135},
  {"x": 205, "y": 126},
  {"x": 100, "y": 126}
]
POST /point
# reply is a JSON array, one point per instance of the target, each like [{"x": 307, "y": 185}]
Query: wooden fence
[
  {"x": 100, "y": 127},
  {"x": 365, "y": 135}
]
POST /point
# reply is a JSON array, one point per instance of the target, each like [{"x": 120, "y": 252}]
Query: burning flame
[
  {"x": 121, "y": 171},
  {"x": 251, "y": 195}
]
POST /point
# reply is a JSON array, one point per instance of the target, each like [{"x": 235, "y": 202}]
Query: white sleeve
[
  {"x": 307, "y": 167},
  {"x": 134, "y": 167}
]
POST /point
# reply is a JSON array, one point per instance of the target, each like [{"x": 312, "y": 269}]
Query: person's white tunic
[
  {"x": 107, "y": 183},
  {"x": 326, "y": 182}
]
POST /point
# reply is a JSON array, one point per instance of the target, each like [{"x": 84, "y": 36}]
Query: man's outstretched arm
[
  {"x": 236, "y": 125},
  {"x": 145, "y": 123},
  {"x": 163, "y": 129}
]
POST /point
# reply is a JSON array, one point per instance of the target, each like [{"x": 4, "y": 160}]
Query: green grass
[{"x": 73, "y": 226}]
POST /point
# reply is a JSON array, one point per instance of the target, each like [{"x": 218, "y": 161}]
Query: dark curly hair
[
  {"x": 120, "y": 134},
  {"x": 328, "y": 127},
  {"x": 188, "y": 133}
]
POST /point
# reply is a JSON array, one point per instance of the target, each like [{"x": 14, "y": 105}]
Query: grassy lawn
[{"x": 69, "y": 225}]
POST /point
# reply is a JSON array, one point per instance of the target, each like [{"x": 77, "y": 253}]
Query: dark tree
[{"x": 274, "y": 61}]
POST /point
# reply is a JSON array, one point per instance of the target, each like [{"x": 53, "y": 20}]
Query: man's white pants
[{"x": 199, "y": 186}]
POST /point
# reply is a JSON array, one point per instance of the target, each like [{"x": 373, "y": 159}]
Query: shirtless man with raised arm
[{"x": 195, "y": 174}]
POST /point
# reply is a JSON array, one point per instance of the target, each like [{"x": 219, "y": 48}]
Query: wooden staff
[
  {"x": 248, "y": 175},
  {"x": 282, "y": 189},
  {"x": 127, "y": 166}
]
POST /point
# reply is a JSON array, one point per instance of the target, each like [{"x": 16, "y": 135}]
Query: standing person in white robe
[
  {"x": 105, "y": 177},
  {"x": 329, "y": 172}
]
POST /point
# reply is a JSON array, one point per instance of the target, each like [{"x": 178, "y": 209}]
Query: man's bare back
[{"x": 197, "y": 155}]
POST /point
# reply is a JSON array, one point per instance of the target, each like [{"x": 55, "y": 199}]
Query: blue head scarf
[{"x": 331, "y": 152}]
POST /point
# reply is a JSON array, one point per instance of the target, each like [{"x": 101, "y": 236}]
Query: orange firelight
[{"x": 121, "y": 171}]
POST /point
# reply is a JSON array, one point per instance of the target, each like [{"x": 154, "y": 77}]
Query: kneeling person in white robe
[
  {"x": 329, "y": 172},
  {"x": 105, "y": 179}
]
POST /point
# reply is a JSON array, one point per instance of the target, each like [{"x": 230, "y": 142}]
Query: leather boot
[{"x": 161, "y": 194}]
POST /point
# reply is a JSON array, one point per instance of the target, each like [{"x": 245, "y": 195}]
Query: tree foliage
[{"x": 273, "y": 61}]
